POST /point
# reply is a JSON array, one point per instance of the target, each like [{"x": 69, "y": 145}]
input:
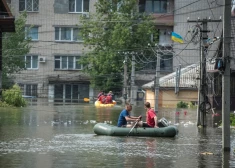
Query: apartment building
[{"x": 53, "y": 71}]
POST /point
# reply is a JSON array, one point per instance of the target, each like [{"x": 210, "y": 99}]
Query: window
[
  {"x": 58, "y": 91},
  {"x": 29, "y": 5},
  {"x": 119, "y": 5},
  {"x": 67, "y": 62},
  {"x": 156, "y": 6},
  {"x": 116, "y": 5},
  {"x": 29, "y": 89},
  {"x": 71, "y": 92},
  {"x": 166, "y": 64},
  {"x": 31, "y": 32},
  {"x": 165, "y": 37},
  {"x": 67, "y": 34},
  {"x": 78, "y": 6},
  {"x": 31, "y": 62}
]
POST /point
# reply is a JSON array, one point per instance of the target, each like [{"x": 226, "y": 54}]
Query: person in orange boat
[
  {"x": 101, "y": 92},
  {"x": 109, "y": 99},
  {"x": 102, "y": 98},
  {"x": 111, "y": 94}
]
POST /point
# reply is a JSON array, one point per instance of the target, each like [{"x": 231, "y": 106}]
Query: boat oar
[
  {"x": 86, "y": 99},
  {"x": 132, "y": 128}
]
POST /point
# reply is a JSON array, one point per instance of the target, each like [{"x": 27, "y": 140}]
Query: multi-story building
[
  {"x": 53, "y": 71},
  {"x": 188, "y": 54}
]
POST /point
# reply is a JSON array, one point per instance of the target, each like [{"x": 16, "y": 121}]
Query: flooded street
[{"x": 61, "y": 136}]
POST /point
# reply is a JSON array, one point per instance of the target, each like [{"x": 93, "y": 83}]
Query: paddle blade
[{"x": 86, "y": 99}]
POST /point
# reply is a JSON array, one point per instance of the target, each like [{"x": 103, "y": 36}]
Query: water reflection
[
  {"x": 62, "y": 136},
  {"x": 151, "y": 149}
]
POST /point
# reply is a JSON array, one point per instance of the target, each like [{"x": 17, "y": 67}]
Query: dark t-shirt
[{"x": 122, "y": 120}]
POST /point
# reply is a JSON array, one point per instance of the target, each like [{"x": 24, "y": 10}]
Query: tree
[
  {"x": 116, "y": 27},
  {"x": 15, "y": 46}
]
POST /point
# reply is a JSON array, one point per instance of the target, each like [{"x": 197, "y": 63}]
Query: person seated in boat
[
  {"x": 111, "y": 94},
  {"x": 151, "y": 119},
  {"x": 125, "y": 118},
  {"x": 101, "y": 93},
  {"x": 102, "y": 98},
  {"x": 109, "y": 99}
]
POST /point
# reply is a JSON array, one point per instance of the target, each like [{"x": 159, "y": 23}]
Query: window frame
[
  {"x": 28, "y": 32},
  {"x": 32, "y": 89},
  {"x": 32, "y": 58},
  {"x": 72, "y": 30},
  {"x": 82, "y": 6},
  {"x": 58, "y": 61},
  {"x": 153, "y": 8},
  {"x": 25, "y": 3},
  {"x": 166, "y": 59}
]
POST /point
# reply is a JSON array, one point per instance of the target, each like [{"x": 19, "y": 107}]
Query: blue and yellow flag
[{"x": 176, "y": 37}]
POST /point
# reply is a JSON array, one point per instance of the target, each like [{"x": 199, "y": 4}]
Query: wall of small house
[
  {"x": 150, "y": 97},
  {"x": 168, "y": 98}
]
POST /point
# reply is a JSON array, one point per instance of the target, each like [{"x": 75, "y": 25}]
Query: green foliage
[
  {"x": 4, "y": 104},
  {"x": 232, "y": 119},
  {"x": 182, "y": 104},
  {"x": 113, "y": 30},
  {"x": 192, "y": 104},
  {"x": 13, "y": 97},
  {"x": 15, "y": 46}
]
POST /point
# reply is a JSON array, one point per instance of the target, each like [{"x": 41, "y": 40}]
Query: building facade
[{"x": 52, "y": 68}]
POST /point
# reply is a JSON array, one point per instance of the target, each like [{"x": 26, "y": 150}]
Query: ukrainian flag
[{"x": 176, "y": 37}]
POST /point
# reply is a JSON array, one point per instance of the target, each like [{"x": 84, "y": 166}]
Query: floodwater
[{"x": 61, "y": 136}]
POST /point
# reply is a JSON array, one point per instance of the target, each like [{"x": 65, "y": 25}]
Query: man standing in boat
[
  {"x": 151, "y": 117},
  {"x": 125, "y": 118}
]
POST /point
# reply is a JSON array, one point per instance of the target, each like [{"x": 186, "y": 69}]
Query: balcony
[{"x": 162, "y": 10}]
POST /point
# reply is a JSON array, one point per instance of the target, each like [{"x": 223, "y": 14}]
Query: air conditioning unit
[
  {"x": 85, "y": 15},
  {"x": 42, "y": 59},
  {"x": 165, "y": 44}
]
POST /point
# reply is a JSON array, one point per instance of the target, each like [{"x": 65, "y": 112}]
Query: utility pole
[
  {"x": 133, "y": 88},
  {"x": 125, "y": 78},
  {"x": 203, "y": 88},
  {"x": 157, "y": 85},
  {"x": 200, "y": 84},
  {"x": 226, "y": 76},
  {"x": 1, "y": 63},
  {"x": 202, "y": 98},
  {"x": 177, "y": 79}
]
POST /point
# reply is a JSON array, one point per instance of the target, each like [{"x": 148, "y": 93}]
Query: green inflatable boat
[{"x": 111, "y": 130}]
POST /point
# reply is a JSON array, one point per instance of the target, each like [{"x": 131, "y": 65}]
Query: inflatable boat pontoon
[{"x": 111, "y": 130}]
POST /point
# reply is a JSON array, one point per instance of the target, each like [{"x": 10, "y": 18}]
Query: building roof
[
  {"x": 6, "y": 18},
  {"x": 188, "y": 77}
]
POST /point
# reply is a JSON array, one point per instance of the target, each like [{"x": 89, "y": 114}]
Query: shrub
[
  {"x": 182, "y": 104},
  {"x": 4, "y": 104},
  {"x": 13, "y": 97},
  {"x": 232, "y": 119}
]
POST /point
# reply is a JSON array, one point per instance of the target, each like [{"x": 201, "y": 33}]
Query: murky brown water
[{"x": 61, "y": 136}]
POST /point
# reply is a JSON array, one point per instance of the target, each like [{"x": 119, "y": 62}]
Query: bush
[
  {"x": 4, "y": 104},
  {"x": 13, "y": 97},
  {"x": 232, "y": 119},
  {"x": 182, "y": 104}
]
